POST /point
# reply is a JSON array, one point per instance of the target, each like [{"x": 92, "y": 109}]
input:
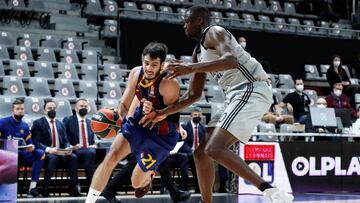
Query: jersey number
[{"x": 147, "y": 160}]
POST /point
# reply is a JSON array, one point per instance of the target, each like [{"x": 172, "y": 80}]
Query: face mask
[
  {"x": 18, "y": 117},
  {"x": 337, "y": 92},
  {"x": 299, "y": 88},
  {"x": 196, "y": 120},
  {"x": 243, "y": 44},
  {"x": 51, "y": 114},
  {"x": 83, "y": 112},
  {"x": 321, "y": 106},
  {"x": 336, "y": 63}
]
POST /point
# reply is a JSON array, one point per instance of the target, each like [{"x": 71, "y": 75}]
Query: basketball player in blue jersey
[
  {"x": 150, "y": 146},
  {"x": 248, "y": 97}
]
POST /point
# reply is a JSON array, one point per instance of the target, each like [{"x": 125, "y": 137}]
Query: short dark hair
[
  {"x": 200, "y": 11},
  {"x": 156, "y": 50},
  {"x": 16, "y": 102},
  {"x": 196, "y": 109},
  {"x": 298, "y": 78},
  {"x": 49, "y": 101}
]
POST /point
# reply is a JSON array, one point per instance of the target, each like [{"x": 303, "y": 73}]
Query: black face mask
[
  {"x": 18, "y": 117},
  {"x": 83, "y": 112},
  {"x": 51, "y": 114},
  {"x": 196, "y": 120}
]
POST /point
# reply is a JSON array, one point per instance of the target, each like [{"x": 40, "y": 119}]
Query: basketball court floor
[{"x": 218, "y": 198}]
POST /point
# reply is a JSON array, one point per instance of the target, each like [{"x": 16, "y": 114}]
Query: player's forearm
[
  {"x": 182, "y": 104},
  {"x": 123, "y": 109},
  {"x": 226, "y": 62}
]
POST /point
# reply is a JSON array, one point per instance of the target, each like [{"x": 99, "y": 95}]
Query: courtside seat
[
  {"x": 6, "y": 39},
  {"x": 282, "y": 26},
  {"x": 250, "y": 22},
  {"x": 312, "y": 95},
  {"x": 49, "y": 41},
  {"x": 111, "y": 90},
  {"x": 34, "y": 107},
  {"x": 110, "y": 8},
  {"x": 68, "y": 56},
  {"x": 311, "y": 72},
  {"x": 46, "y": 54},
  {"x": 90, "y": 57},
  {"x": 88, "y": 72},
  {"x": 23, "y": 53},
  {"x": 63, "y": 108},
  {"x": 67, "y": 71},
  {"x": 286, "y": 81},
  {"x": 166, "y": 14},
  {"x": 13, "y": 86},
  {"x": 4, "y": 54},
  {"x": 234, "y": 20},
  {"x": 109, "y": 29},
  {"x": 88, "y": 89},
  {"x": 43, "y": 69},
  {"x": 6, "y": 105},
  {"x": 28, "y": 40},
  {"x": 218, "y": 19},
  {"x": 289, "y": 8},
  {"x": 19, "y": 68},
  {"x": 268, "y": 25},
  {"x": 39, "y": 87},
  {"x": 130, "y": 10},
  {"x": 148, "y": 11},
  {"x": 64, "y": 88},
  {"x": 109, "y": 103}
]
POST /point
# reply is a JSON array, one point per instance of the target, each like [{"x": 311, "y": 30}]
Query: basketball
[{"x": 105, "y": 123}]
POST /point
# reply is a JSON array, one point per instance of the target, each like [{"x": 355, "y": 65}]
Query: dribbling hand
[{"x": 147, "y": 106}]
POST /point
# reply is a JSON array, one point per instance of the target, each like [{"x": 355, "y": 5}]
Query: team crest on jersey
[{"x": 22, "y": 131}]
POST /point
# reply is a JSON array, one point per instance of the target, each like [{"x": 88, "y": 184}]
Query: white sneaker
[{"x": 278, "y": 196}]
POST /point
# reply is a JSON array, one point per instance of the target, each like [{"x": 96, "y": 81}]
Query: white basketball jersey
[{"x": 249, "y": 69}]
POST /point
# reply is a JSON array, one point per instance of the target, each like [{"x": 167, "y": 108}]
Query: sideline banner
[
  {"x": 265, "y": 158},
  {"x": 323, "y": 166},
  {"x": 304, "y": 166}
]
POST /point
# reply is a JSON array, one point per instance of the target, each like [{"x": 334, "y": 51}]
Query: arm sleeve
[{"x": 36, "y": 133}]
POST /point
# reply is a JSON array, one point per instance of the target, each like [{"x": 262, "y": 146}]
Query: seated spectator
[
  {"x": 337, "y": 74},
  {"x": 180, "y": 160},
  {"x": 309, "y": 128},
  {"x": 14, "y": 126},
  {"x": 276, "y": 115},
  {"x": 195, "y": 133},
  {"x": 297, "y": 102},
  {"x": 339, "y": 100},
  {"x": 49, "y": 135},
  {"x": 81, "y": 137}
]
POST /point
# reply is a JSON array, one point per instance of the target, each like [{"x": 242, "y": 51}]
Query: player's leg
[
  {"x": 118, "y": 150},
  {"x": 205, "y": 169},
  {"x": 140, "y": 178},
  {"x": 218, "y": 149}
]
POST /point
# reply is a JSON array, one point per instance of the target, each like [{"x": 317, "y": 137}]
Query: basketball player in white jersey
[{"x": 248, "y": 97}]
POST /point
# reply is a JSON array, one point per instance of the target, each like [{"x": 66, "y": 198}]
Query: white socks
[
  {"x": 92, "y": 196},
  {"x": 32, "y": 185}
]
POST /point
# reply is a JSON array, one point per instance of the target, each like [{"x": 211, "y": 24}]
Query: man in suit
[
  {"x": 196, "y": 132},
  {"x": 81, "y": 137},
  {"x": 49, "y": 135}
]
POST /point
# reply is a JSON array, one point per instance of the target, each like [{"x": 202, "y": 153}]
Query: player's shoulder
[
  {"x": 134, "y": 73},
  {"x": 169, "y": 82},
  {"x": 216, "y": 29}
]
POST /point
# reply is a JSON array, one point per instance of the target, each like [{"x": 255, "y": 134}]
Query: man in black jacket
[{"x": 49, "y": 135}]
